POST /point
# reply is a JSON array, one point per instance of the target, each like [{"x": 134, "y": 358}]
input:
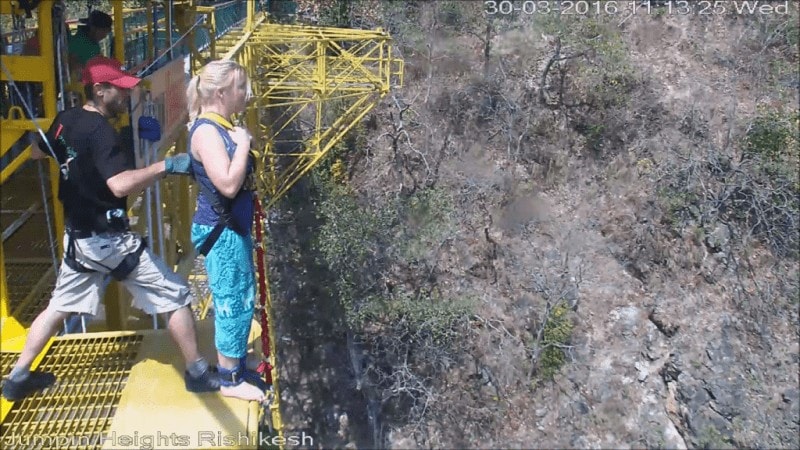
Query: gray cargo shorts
[{"x": 154, "y": 287}]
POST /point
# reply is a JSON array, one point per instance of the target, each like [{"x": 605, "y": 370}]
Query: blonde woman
[{"x": 222, "y": 223}]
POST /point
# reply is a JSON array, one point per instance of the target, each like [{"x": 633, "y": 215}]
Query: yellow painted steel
[
  {"x": 10, "y": 328},
  {"x": 274, "y": 405},
  {"x": 29, "y": 69},
  {"x": 169, "y": 415},
  {"x": 25, "y": 69},
  {"x": 328, "y": 77}
]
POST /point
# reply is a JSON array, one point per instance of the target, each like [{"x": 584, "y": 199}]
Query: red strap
[{"x": 264, "y": 367}]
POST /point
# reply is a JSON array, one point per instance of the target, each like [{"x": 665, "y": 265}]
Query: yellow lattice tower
[{"x": 312, "y": 85}]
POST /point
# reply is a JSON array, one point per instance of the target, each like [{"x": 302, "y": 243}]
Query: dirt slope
[{"x": 683, "y": 331}]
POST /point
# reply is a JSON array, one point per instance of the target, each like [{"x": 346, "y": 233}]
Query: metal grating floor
[{"x": 77, "y": 411}]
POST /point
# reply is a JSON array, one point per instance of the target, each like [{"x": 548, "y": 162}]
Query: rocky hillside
[{"x": 564, "y": 231}]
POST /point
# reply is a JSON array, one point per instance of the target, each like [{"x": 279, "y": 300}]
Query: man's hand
[
  {"x": 36, "y": 151},
  {"x": 180, "y": 164}
]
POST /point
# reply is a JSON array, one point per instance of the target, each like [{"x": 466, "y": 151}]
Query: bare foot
[{"x": 244, "y": 391}]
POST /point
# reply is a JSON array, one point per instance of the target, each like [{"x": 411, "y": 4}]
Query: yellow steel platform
[
  {"x": 156, "y": 408},
  {"x": 125, "y": 390}
]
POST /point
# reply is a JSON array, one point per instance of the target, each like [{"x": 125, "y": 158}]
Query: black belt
[{"x": 80, "y": 234}]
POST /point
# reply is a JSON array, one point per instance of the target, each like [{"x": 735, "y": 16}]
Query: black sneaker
[
  {"x": 207, "y": 382},
  {"x": 36, "y": 381}
]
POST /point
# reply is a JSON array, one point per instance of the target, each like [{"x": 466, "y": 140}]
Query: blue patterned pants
[{"x": 231, "y": 278}]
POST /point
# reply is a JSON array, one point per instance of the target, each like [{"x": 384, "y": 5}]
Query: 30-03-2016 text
[{"x": 613, "y": 7}]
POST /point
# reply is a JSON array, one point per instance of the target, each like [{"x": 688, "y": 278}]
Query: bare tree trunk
[
  {"x": 430, "y": 53},
  {"x": 487, "y": 47}
]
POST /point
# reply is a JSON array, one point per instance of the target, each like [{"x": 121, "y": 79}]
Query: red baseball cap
[{"x": 107, "y": 70}]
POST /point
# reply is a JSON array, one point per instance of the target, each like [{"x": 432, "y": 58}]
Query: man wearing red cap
[{"x": 97, "y": 175}]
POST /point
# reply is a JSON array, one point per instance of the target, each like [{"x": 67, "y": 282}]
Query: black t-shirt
[{"x": 98, "y": 155}]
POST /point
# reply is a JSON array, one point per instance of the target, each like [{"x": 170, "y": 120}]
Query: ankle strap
[{"x": 230, "y": 377}]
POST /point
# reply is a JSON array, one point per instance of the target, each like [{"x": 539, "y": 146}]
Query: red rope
[{"x": 265, "y": 367}]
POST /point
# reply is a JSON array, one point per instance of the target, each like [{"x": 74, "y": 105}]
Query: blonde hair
[{"x": 217, "y": 74}]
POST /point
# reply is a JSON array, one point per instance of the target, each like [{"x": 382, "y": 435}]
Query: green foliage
[
  {"x": 451, "y": 13},
  {"x": 355, "y": 243},
  {"x": 793, "y": 36},
  {"x": 757, "y": 196},
  {"x": 427, "y": 319},
  {"x": 711, "y": 438},
  {"x": 609, "y": 75},
  {"x": 349, "y": 242},
  {"x": 402, "y": 21},
  {"x": 336, "y": 13},
  {"x": 334, "y": 164},
  {"x": 594, "y": 137},
  {"x": 596, "y": 80},
  {"x": 428, "y": 216},
  {"x": 773, "y": 136},
  {"x": 679, "y": 205},
  {"x": 325, "y": 168},
  {"x": 557, "y": 332}
]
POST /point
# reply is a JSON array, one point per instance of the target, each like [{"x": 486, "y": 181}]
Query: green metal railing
[
  {"x": 137, "y": 37},
  {"x": 223, "y": 17},
  {"x": 219, "y": 20}
]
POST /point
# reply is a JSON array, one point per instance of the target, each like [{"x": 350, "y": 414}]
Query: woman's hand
[
  {"x": 226, "y": 172},
  {"x": 241, "y": 137}
]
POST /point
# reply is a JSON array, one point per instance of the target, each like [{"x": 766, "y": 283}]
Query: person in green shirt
[{"x": 85, "y": 43}]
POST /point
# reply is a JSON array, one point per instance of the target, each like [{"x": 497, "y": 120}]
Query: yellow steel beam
[
  {"x": 274, "y": 407},
  {"x": 10, "y": 328},
  {"x": 14, "y": 165},
  {"x": 119, "y": 44},
  {"x": 26, "y": 69},
  {"x": 11, "y": 7},
  {"x": 236, "y": 50},
  {"x": 327, "y": 77}
]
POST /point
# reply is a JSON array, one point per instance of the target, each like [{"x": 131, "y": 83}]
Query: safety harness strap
[
  {"x": 130, "y": 262},
  {"x": 212, "y": 238},
  {"x": 119, "y": 273},
  {"x": 69, "y": 257}
]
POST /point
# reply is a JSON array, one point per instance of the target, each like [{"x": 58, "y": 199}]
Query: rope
[
  {"x": 50, "y": 232},
  {"x": 265, "y": 367}
]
